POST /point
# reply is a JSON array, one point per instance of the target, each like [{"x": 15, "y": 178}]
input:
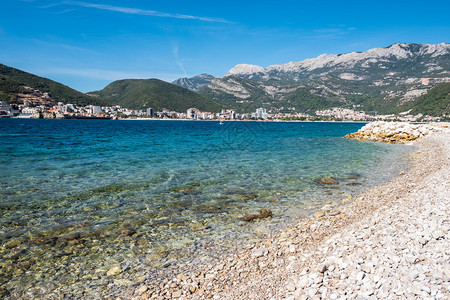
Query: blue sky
[{"x": 88, "y": 44}]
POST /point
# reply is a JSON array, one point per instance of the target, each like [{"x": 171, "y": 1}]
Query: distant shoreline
[
  {"x": 190, "y": 120},
  {"x": 217, "y": 120},
  {"x": 225, "y": 121}
]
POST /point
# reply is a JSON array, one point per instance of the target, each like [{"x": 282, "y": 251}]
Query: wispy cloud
[
  {"x": 178, "y": 60},
  {"x": 332, "y": 32},
  {"x": 143, "y": 12},
  {"x": 56, "y": 45},
  {"x": 64, "y": 11}
]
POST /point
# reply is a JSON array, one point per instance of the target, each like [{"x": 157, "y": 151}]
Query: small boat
[{"x": 221, "y": 122}]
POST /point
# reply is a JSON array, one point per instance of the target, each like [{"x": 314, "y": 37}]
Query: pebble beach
[{"x": 392, "y": 242}]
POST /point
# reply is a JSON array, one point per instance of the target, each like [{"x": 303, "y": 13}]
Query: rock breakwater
[{"x": 393, "y": 132}]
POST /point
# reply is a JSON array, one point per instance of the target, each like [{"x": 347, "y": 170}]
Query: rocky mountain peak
[
  {"x": 396, "y": 51},
  {"x": 244, "y": 69},
  {"x": 194, "y": 83}
]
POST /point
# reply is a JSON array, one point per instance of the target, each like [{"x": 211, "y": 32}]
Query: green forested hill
[
  {"x": 158, "y": 94},
  {"x": 12, "y": 82},
  {"x": 434, "y": 103}
]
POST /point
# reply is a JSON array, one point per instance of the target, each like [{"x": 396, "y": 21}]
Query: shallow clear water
[{"x": 80, "y": 196}]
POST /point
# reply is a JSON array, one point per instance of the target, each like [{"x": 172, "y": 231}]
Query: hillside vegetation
[
  {"x": 13, "y": 81},
  {"x": 154, "y": 93},
  {"x": 435, "y": 103}
]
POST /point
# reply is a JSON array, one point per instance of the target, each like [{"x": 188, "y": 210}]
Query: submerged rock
[
  {"x": 354, "y": 183},
  {"x": 354, "y": 176},
  {"x": 326, "y": 180},
  {"x": 190, "y": 191},
  {"x": 71, "y": 236},
  {"x": 12, "y": 243},
  {"x": 127, "y": 232},
  {"x": 263, "y": 213},
  {"x": 249, "y": 196},
  {"x": 114, "y": 271},
  {"x": 210, "y": 208}
]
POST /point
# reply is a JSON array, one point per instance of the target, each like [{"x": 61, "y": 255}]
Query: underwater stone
[
  {"x": 263, "y": 213},
  {"x": 71, "y": 236},
  {"x": 127, "y": 232},
  {"x": 326, "y": 180},
  {"x": 12, "y": 244},
  {"x": 247, "y": 197},
  {"x": 114, "y": 271}
]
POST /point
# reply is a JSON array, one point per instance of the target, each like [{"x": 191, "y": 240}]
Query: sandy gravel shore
[{"x": 391, "y": 243}]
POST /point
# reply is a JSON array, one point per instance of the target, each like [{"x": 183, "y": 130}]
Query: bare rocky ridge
[
  {"x": 195, "y": 83},
  {"x": 348, "y": 60},
  {"x": 392, "y": 242}
]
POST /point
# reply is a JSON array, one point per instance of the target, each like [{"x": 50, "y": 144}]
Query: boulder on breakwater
[{"x": 392, "y": 132}]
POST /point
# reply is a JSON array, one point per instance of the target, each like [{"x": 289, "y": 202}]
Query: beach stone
[
  {"x": 292, "y": 249},
  {"x": 360, "y": 276},
  {"x": 319, "y": 214},
  {"x": 322, "y": 268},
  {"x": 176, "y": 294},
  {"x": 123, "y": 282},
  {"x": 290, "y": 287},
  {"x": 334, "y": 296},
  {"x": 260, "y": 252},
  {"x": 303, "y": 282}
]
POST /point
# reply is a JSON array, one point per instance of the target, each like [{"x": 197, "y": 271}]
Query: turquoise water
[{"x": 80, "y": 196}]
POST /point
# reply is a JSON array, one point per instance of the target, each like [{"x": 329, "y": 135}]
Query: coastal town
[
  {"x": 41, "y": 107},
  {"x": 36, "y": 104}
]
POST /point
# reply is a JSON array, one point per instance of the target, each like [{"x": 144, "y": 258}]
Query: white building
[
  {"x": 96, "y": 109},
  {"x": 193, "y": 113},
  {"x": 5, "y": 109},
  {"x": 261, "y": 113},
  {"x": 4, "y": 106},
  {"x": 66, "y": 108},
  {"x": 150, "y": 112},
  {"x": 29, "y": 110}
]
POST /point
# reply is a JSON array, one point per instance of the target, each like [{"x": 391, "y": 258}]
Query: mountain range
[{"x": 380, "y": 80}]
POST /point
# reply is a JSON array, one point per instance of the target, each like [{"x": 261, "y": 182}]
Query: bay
[{"x": 80, "y": 196}]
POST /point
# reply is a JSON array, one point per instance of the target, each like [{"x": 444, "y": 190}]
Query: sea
[{"x": 79, "y": 198}]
